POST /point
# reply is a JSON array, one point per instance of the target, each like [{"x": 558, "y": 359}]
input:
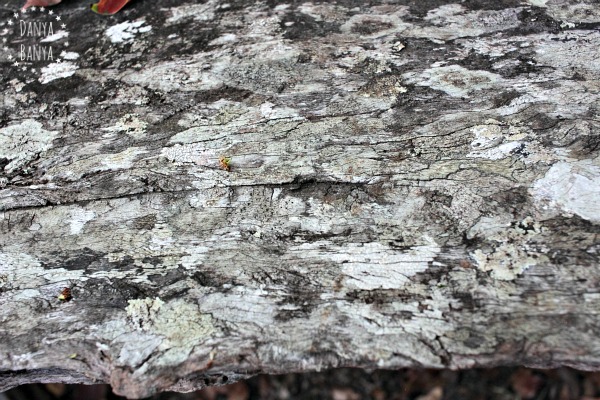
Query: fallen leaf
[
  {"x": 40, "y": 3},
  {"x": 108, "y": 7}
]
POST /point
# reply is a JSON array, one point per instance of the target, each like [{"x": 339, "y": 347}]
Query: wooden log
[{"x": 234, "y": 188}]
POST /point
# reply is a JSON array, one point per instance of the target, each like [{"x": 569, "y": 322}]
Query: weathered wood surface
[{"x": 412, "y": 183}]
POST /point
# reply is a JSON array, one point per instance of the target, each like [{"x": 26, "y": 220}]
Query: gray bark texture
[{"x": 411, "y": 184}]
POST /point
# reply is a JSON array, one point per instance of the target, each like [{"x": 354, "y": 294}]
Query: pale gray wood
[{"x": 412, "y": 184}]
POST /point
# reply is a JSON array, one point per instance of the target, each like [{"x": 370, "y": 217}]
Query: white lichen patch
[
  {"x": 10, "y": 262},
  {"x": 131, "y": 125},
  {"x": 444, "y": 12},
  {"x": 452, "y": 21},
  {"x": 195, "y": 257},
  {"x": 369, "y": 266},
  {"x": 23, "y": 271},
  {"x": 57, "y": 71},
  {"x": 511, "y": 252},
  {"x": 227, "y": 38},
  {"x": 496, "y": 153},
  {"x": 558, "y": 51},
  {"x": 69, "y": 55},
  {"x": 270, "y": 111},
  {"x": 57, "y": 36},
  {"x": 571, "y": 187},
  {"x": 455, "y": 80},
  {"x": 137, "y": 347},
  {"x": 493, "y": 140},
  {"x": 198, "y": 12},
  {"x": 571, "y": 97},
  {"x": 23, "y": 142},
  {"x": 486, "y": 135},
  {"x": 374, "y": 265},
  {"x": 79, "y": 217},
  {"x": 126, "y": 31},
  {"x": 538, "y": 3},
  {"x": 178, "y": 323}
]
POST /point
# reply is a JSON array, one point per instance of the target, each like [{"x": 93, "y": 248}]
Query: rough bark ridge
[{"x": 412, "y": 183}]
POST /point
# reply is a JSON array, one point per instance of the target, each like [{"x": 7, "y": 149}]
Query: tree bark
[{"x": 410, "y": 184}]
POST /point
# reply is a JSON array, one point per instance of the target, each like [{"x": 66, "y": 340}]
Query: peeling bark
[{"x": 412, "y": 184}]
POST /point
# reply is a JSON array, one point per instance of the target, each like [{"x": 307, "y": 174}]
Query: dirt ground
[{"x": 355, "y": 384}]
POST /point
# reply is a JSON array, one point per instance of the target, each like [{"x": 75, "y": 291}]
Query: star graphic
[
  {"x": 58, "y": 17},
  {"x": 66, "y": 44},
  {"x": 10, "y": 57},
  {"x": 5, "y": 31},
  {"x": 50, "y": 12},
  {"x": 64, "y": 26},
  {"x": 24, "y": 69},
  {"x": 10, "y": 22},
  {"x": 16, "y": 15},
  {"x": 16, "y": 64},
  {"x": 5, "y": 48},
  {"x": 58, "y": 60},
  {"x": 42, "y": 9},
  {"x": 33, "y": 8},
  {"x": 32, "y": 69}
]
